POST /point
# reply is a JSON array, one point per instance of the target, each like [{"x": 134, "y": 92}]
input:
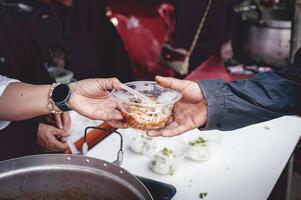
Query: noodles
[
  {"x": 146, "y": 117},
  {"x": 152, "y": 113}
]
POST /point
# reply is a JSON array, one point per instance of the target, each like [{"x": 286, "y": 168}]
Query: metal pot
[
  {"x": 64, "y": 177},
  {"x": 60, "y": 176},
  {"x": 263, "y": 40}
]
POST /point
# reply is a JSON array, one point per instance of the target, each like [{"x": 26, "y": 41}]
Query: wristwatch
[{"x": 60, "y": 97}]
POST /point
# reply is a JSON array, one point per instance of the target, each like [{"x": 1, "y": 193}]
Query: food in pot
[
  {"x": 164, "y": 162},
  {"x": 199, "y": 150},
  {"x": 142, "y": 144}
]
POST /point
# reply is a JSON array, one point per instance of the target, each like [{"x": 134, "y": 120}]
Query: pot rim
[{"x": 42, "y": 161}]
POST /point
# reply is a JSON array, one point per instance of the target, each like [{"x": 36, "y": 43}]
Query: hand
[
  {"x": 63, "y": 121},
  {"x": 189, "y": 113},
  {"x": 91, "y": 98},
  {"x": 48, "y": 138}
]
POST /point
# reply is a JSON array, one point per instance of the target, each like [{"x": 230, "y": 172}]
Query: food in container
[
  {"x": 170, "y": 151},
  {"x": 198, "y": 150},
  {"x": 146, "y": 115},
  {"x": 203, "y": 148},
  {"x": 142, "y": 144},
  {"x": 164, "y": 162}
]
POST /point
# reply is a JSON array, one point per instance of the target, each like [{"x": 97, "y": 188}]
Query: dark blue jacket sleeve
[{"x": 236, "y": 104}]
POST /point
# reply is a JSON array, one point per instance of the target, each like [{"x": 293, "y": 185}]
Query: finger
[
  {"x": 59, "y": 132},
  {"x": 153, "y": 133},
  {"x": 173, "y": 83},
  {"x": 118, "y": 124},
  {"x": 190, "y": 89},
  {"x": 158, "y": 132},
  {"x": 120, "y": 107},
  {"x": 114, "y": 115},
  {"x": 58, "y": 119},
  {"x": 109, "y": 83},
  {"x": 56, "y": 144},
  {"x": 66, "y": 121},
  {"x": 51, "y": 143},
  {"x": 169, "y": 131},
  {"x": 116, "y": 84}
]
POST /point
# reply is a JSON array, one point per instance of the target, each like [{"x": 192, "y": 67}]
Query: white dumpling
[
  {"x": 199, "y": 150},
  {"x": 142, "y": 144},
  {"x": 164, "y": 163},
  {"x": 198, "y": 153}
]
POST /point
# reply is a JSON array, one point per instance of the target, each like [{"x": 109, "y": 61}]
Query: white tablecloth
[{"x": 247, "y": 166}]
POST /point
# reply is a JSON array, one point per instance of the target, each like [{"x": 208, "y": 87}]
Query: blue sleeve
[{"x": 236, "y": 104}]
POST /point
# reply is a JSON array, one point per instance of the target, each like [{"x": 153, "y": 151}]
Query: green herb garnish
[
  {"x": 203, "y": 195},
  {"x": 166, "y": 152},
  {"x": 198, "y": 141}
]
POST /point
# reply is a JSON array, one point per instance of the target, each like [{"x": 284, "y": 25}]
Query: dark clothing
[
  {"x": 236, "y": 104},
  {"x": 297, "y": 58},
  {"x": 93, "y": 47},
  {"x": 19, "y": 139},
  {"x": 20, "y": 58},
  {"x": 216, "y": 29},
  {"x": 91, "y": 42}
]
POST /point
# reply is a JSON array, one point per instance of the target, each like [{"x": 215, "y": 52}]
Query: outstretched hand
[
  {"x": 189, "y": 113},
  {"x": 91, "y": 98}
]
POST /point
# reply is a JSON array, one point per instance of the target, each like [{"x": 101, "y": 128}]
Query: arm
[
  {"x": 22, "y": 101},
  {"x": 216, "y": 104},
  {"x": 268, "y": 96},
  {"x": 89, "y": 98}
]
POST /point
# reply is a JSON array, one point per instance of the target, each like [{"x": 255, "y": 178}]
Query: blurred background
[{"x": 67, "y": 40}]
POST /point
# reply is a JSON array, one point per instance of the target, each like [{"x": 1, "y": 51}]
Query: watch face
[{"x": 60, "y": 93}]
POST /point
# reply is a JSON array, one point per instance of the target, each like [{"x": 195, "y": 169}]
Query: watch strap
[{"x": 63, "y": 106}]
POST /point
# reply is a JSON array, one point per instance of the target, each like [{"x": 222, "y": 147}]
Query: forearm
[
  {"x": 23, "y": 101},
  {"x": 233, "y": 105}
]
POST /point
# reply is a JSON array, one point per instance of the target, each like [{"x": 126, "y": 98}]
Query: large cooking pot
[
  {"x": 263, "y": 40},
  {"x": 67, "y": 177}
]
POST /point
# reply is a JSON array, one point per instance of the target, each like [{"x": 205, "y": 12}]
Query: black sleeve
[{"x": 236, "y": 104}]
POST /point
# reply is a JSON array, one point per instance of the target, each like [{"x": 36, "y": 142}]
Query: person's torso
[
  {"x": 81, "y": 34},
  {"x": 20, "y": 57}
]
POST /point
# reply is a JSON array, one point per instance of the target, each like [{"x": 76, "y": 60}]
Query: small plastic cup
[
  {"x": 140, "y": 143},
  {"x": 203, "y": 147},
  {"x": 166, "y": 159},
  {"x": 144, "y": 115}
]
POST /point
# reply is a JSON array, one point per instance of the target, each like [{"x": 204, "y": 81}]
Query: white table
[{"x": 247, "y": 166}]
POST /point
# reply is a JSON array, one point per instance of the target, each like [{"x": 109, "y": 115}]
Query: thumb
[
  {"x": 190, "y": 89},
  {"x": 109, "y": 83},
  {"x": 172, "y": 83}
]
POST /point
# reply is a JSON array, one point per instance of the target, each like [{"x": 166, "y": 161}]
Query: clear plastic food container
[
  {"x": 147, "y": 115},
  {"x": 166, "y": 159},
  {"x": 140, "y": 143},
  {"x": 203, "y": 147}
]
